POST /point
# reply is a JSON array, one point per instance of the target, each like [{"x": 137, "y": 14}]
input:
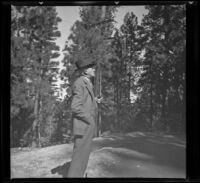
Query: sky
[{"x": 69, "y": 14}]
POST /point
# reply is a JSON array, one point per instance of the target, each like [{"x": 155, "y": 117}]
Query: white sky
[{"x": 69, "y": 14}]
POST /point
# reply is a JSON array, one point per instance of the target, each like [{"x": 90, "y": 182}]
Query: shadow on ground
[
  {"x": 62, "y": 169},
  {"x": 164, "y": 150}
]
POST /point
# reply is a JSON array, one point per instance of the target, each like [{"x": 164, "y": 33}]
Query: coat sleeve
[{"x": 77, "y": 104}]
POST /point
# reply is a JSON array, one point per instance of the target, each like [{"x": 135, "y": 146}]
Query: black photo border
[{"x": 192, "y": 91}]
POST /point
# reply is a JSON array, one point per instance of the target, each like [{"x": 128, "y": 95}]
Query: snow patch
[
  {"x": 135, "y": 134},
  {"x": 99, "y": 139}
]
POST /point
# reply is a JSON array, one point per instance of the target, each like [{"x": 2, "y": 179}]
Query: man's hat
[{"x": 80, "y": 64}]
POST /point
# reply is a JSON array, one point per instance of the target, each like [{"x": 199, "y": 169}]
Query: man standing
[{"x": 84, "y": 109}]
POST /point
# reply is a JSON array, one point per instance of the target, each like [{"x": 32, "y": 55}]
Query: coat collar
[{"x": 88, "y": 86}]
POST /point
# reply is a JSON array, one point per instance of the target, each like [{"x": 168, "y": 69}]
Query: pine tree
[
  {"x": 165, "y": 27},
  {"x": 126, "y": 67},
  {"x": 37, "y": 30}
]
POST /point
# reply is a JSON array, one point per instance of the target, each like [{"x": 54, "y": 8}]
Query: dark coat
[{"x": 84, "y": 106}]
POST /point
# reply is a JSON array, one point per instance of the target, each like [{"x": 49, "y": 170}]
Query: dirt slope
[{"x": 115, "y": 155}]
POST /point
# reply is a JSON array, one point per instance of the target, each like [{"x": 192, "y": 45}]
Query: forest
[{"x": 141, "y": 73}]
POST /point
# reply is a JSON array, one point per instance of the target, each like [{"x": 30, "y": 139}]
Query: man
[{"x": 84, "y": 108}]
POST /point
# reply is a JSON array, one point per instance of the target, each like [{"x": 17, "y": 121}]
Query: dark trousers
[{"x": 81, "y": 152}]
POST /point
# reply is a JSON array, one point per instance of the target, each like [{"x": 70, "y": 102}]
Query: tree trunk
[
  {"x": 35, "y": 126},
  {"x": 151, "y": 106},
  {"x": 117, "y": 102},
  {"x": 151, "y": 99},
  {"x": 183, "y": 120},
  {"x": 39, "y": 122},
  {"x": 120, "y": 104},
  {"x": 100, "y": 94},
  {"x": 163, "y": 113},
  {"x": 99, "y": 119}
]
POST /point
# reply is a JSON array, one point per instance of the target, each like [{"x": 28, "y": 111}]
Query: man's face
[{"x": 90, "y": 71}]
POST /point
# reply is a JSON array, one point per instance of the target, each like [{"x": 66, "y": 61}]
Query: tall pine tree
[{"x": 32, "y": 46}]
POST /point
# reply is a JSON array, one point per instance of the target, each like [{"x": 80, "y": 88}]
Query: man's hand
[{"x": 98, "y": 100}]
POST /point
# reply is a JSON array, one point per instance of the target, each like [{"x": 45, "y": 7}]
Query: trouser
[{"x": 81, "y": 152}]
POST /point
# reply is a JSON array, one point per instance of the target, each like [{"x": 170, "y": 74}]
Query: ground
[{"x": 133, "y": 154}]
